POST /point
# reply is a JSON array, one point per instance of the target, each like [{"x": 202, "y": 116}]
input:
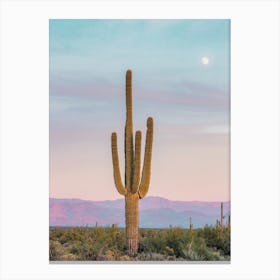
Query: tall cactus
[
  {"x": 135, "y": 187},
  {"x": 222, "y": 215},
  {"x": 228, "y": 224},
  {"x": 191, "y": 225}
]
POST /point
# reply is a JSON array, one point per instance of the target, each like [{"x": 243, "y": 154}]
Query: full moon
[{"x": 205, "y": 60}]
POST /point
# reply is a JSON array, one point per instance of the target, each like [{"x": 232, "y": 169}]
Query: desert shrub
[
  {"x": 56, "y": 250},
  {"x": 169, "y": 251},
  {"x": 217, "y": 238},
  {"x": 190, "y": 255},
  {"x": 109, "y": 243},
  {"x": 205, "y": 253},
  {"x": 68, "y": 257},
  {"x": 153, "y": 241},
  {"x": 177, "y": 239},
  {"x": 56, "y": 233},
  {"x": 109, "y": 255}
]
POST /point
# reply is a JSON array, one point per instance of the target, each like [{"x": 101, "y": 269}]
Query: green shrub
[{"x": 169, "y": 244}]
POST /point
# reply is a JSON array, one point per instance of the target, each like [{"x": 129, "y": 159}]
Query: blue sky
[{"x": 188, "y": 100}]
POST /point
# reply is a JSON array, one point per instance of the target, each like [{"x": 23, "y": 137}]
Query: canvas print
[{"x": 139, "y": 144}]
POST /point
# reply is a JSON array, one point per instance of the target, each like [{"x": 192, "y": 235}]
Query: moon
[{"x": 205, "y": 60}]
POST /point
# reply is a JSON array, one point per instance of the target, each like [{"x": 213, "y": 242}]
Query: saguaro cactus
[
  {"x": 222, "y": 215},
  {"x": 228, "y": 224},
  {"x": 191, "y": 225},
  {"x": 135, "y": 187}
]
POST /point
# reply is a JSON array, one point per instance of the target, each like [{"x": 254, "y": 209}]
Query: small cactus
[{"x": 135, "y": 187}]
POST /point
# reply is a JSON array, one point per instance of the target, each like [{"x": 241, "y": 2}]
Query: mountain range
[{"x": 154, "y": 212}]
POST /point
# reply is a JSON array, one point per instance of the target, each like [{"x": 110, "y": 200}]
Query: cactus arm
[
  {"x": 137, "y": 162},
  {"x": 117, "y": 175},
  {"x": 128, "y": 132},
  {"x": 128, "y": 88},
  {"x": 146, "y": 173}
]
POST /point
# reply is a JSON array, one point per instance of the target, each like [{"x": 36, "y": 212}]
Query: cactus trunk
[
  {"x": 135, "y": 187},
  {"x": 131, "y": 223}
]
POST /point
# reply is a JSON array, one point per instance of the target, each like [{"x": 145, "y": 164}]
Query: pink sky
[{"x": 184, "y": 167}]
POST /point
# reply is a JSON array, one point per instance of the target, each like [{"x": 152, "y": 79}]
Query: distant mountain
[{"x": 155, "y": 212}]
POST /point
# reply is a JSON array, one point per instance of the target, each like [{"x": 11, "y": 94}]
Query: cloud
[{"x": 192, "y": 95}]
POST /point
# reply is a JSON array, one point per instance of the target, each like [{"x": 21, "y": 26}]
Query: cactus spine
[{"x": 135, "y": 187}]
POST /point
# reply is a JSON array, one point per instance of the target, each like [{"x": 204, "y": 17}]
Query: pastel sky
[{"x": 189, "y": 101}]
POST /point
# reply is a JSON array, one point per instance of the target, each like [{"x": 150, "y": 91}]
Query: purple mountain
[{"x": 155, "y": 212}]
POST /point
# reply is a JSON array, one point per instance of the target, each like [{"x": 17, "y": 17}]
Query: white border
[{"x": 254, "y": 127}]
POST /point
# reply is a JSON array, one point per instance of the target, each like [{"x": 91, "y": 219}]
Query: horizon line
[{"x": 154, "y": 196}]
